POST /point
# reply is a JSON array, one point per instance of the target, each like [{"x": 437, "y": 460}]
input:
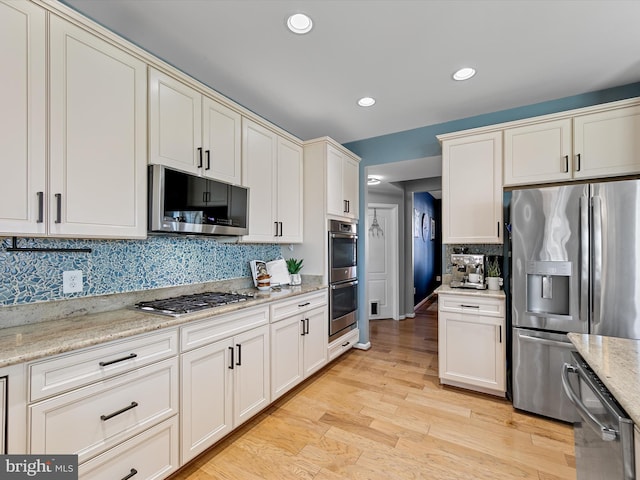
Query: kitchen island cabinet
[{"x": 471, "y": 341}]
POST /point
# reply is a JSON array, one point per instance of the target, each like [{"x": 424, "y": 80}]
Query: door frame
[{"x": 392, "y": 246}]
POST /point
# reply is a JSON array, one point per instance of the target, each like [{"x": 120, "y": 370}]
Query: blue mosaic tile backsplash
[{"x": 117, "y": 266}]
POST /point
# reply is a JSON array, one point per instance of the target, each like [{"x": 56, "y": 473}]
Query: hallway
[{"x": 382, "y": 414}]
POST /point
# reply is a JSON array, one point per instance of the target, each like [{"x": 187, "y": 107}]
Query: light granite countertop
[
  {"x": 616, "y": 361},
  {"x": 33, "y": 340},
  {"x": 472, "y": 292}
]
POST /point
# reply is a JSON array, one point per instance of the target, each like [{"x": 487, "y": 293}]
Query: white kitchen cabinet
[
  {"x": 330, "y": 170},
  {"x": 343, "y": 344},
  {"x": 191, "y": 132},
  {"x": 595, "y": 144},
  {"x": 538, "y": 153},
  {"x": 471, "y": 342},
  {"x": 91, "y": 185},
  {"x": 89, "y": 420},
  {"x": 153, "y": 454},
  {"x": 472, "y": 188},
  {"x": 22, "y": 118},
  {"x": 299, "y": 332},
  {"x": 342, "y": 184},
  {"x": 272, "y": 169},
  {"x": 226, "y": 379},
  {"x": 607, "y": 143}
]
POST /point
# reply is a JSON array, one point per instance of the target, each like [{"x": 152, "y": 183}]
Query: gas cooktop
[{"x": 183, "y": 304}]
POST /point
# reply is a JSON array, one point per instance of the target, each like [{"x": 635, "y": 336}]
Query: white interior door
[{"x": 382, "y": 262}]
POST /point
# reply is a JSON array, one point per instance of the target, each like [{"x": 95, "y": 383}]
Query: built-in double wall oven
[{"x": 343, "y": 285}]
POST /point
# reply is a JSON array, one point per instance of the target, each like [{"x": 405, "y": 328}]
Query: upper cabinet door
[
  {"x": 259, "y": 147},
  {"x": 289, "y": 191},
  {"x": 350, "y": 186},
  {"x": 22, "y": 119},
  {"x": 472, "y": 189},
  {"x": 175, "y": 116},
  {"x": 335, "y": 200},
  {"x": 607, "y": 143},
  {"x": 98, "y": 136},
  {"x": 222, "y": 142},
  {"x": 538, "y": 153}
]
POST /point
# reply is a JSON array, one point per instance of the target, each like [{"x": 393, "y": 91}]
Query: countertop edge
[{"x": 29, "y": 342}]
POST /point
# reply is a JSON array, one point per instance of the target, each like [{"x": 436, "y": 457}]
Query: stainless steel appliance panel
[
  {"x": 343, "y": 253},
  {"x": 547, "y": 227},
  {"x": 603, "y": 434},
  {"x": 615, "y": 272},
  {"x": 343, "y": 302},
  {"x": 538, "y": 358}
]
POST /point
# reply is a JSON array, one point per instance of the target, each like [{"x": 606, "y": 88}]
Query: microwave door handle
[{"x": 606, "y": 433}]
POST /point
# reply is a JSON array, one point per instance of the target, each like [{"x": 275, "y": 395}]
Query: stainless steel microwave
[{"x": 181, "y": 202}]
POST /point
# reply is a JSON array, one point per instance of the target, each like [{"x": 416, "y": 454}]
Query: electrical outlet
[{"x": 72, "y": 281}]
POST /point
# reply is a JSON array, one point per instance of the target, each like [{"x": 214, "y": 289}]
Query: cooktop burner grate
[{"x": 191, "y": 303}]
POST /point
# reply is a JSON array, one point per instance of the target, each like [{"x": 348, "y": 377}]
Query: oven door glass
[
  {"x": 344, "y": 305},
  {"x": 343, "y": 257}
]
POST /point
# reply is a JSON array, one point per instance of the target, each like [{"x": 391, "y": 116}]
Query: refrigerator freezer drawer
[{"x": 538, "y": 358}]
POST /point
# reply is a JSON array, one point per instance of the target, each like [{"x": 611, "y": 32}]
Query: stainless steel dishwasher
[{"x": 604, "y": 433}]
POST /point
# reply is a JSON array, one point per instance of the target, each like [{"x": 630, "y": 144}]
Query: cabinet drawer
[
  {"x": 92, "y": 419},
  {"x": 222, "y": 326},
  {"x": 342, "y": 344},
  {"x": 471, "y": 304},
  {"x": 151, "y": 455},
  {"x": 64, "y": 372},
  {"x": 303, "y": 303}
]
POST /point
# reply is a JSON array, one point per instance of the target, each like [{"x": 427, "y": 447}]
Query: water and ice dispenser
[{"x": 548, "y": 288}]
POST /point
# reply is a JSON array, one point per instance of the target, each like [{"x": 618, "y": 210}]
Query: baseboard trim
[{"x": 362, "y": 346}]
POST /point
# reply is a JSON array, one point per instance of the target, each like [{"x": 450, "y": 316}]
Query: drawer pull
[
  {"x": 122, "y": 410},
  {"x": 304, "y": 304},
  {"x": 469, "y": 306},
  {"x": 345, "y": 344},
  {"x": 131, "y": 474},
  {"x": 111, "y": 362}
]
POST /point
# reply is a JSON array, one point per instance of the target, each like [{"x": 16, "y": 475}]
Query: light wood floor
[{"x": 382, "y": 414}]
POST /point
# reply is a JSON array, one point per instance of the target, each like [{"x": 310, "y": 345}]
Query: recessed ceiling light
[
  {"x": 366, "y": 101},
  {"x": 371, "y": 180},
  {"x": 464, "y": 73},
  {"x": 299, "y": 23}
]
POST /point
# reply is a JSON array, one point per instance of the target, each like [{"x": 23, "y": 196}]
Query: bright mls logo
[{"x": 23, "y": 467}]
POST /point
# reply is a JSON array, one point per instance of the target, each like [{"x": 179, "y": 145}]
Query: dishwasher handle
[{"x": 607, "y": 434}]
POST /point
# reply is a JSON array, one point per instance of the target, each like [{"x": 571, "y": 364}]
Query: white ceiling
[{"x": 402, "y": 52}]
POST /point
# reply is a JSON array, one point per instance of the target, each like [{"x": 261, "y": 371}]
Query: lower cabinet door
[
  {"x": 207, "y": 397},
  {"x": 252, "y": 390},
  {"x": 316, "y": 340},
  {"x": 151, "y": 455},
  {"x": 90, "y": 420},
  {"x": 286, "y": 354},
  {"x": 471, "y": 351}
]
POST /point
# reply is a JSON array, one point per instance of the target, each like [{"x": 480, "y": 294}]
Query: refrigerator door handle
[
  {"x": 583, "y": 267},
  {"x": 596, "y": 259}
]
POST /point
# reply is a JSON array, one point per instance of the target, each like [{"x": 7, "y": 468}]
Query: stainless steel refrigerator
[{"x": 575, "y": 268}]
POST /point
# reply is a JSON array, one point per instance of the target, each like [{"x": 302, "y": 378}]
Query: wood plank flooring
[{"x": 382, "y": 414}]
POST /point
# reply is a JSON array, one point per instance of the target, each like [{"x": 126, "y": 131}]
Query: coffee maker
[{"x": 467, "y": 271}]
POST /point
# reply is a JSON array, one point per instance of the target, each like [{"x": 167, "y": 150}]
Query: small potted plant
[
  {"x": 493, "y": 274},
  {"x": 294, "y": 266}
]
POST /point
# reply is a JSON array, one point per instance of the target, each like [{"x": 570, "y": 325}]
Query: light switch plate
[{"x": 72, "y": 281}]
